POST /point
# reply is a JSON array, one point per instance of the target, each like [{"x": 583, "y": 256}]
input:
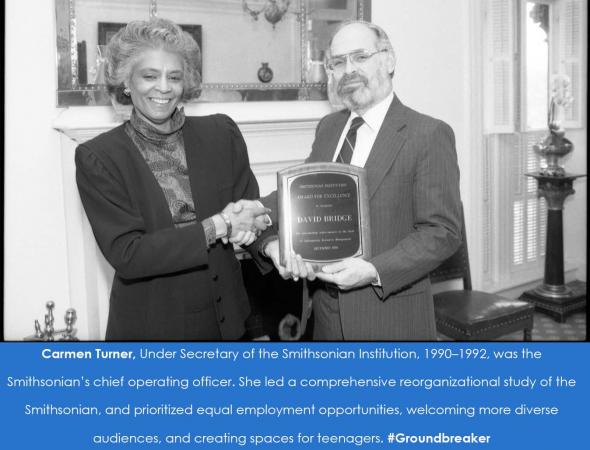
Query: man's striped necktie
[{"x": 345, "y": 154}]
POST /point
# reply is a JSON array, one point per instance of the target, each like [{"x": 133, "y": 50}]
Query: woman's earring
[{"x": 126, "y": 92}]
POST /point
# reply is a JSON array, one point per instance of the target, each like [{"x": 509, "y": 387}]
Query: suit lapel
[
  {"x": 325, "y": 146},
  {"x": 389, "y": 142},
  {"x": 199, "y": 157}
]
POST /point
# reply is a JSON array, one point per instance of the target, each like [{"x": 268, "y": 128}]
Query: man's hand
[
  {"x": 261, "y": 221},
  {"x": 248, "y": 219},
  {"x": 349, "y": 273},
  {"x": 295, "y": 268}
]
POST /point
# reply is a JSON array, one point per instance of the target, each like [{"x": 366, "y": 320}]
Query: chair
[{"x": 468, "y": 315}]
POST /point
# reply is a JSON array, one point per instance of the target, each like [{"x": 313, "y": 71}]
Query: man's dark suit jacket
[
  {"x": 415, "y": 207},
  {"x": 165, "y": 274}
]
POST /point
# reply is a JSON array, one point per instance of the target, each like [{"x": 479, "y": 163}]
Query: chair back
[{"x": 457, "y": 266}]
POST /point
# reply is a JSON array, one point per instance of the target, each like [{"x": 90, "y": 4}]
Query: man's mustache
[{"x": 352, "y": 78}]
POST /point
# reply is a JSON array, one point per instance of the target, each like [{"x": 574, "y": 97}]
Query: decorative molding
[
  {"x": 263, "y": 128},
  {"x": 83, "y": 123}
]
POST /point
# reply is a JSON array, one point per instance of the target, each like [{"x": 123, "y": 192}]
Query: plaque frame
[{"x": 285, "y": 179}]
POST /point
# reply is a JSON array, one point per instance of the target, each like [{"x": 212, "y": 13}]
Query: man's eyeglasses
[{"x": 358, "y": 58}]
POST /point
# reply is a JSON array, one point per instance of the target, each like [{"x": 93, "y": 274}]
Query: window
[{"x": 525, "y": 42}]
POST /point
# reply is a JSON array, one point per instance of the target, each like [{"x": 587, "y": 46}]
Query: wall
[
  {"x": 35, "y": 266},
  {"x": 433, "y": 75}
]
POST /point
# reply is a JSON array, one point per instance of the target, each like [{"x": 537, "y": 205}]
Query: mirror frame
[{"x": 71, "y": 93}]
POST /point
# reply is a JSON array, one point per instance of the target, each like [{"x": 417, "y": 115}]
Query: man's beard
[{"x": 354, "y": 91}]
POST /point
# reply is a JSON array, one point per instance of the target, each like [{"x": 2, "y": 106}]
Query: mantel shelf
[{"x": 83, "y": 122}]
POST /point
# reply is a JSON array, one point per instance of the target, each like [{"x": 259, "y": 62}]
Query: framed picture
[
  {"x": 196, "y": 32},
  {"x": 106, "y": 30}
]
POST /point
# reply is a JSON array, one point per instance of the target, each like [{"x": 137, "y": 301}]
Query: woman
[{"x": 154, "y": 188}]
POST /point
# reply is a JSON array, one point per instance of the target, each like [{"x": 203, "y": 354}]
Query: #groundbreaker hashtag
[{"x": 438, "y": 438}]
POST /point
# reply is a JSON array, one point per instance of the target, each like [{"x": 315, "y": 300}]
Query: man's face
[{"x": 363, "y": 84}]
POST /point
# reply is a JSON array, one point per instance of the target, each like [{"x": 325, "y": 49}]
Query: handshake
[{"x": 244, "y": 221}]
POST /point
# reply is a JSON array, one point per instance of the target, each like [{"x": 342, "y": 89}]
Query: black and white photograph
[{"x": 180, "y": 170}]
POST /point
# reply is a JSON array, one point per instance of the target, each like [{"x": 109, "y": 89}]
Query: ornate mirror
[{"x": 251, "y": 49}]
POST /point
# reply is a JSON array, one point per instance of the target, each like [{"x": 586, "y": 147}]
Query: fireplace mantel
[
  {"x": 278, "y": 135},
  {"x": 83, "y": 123}
]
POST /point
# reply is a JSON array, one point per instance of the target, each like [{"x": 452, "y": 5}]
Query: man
[{"x": 415, "y": 207}]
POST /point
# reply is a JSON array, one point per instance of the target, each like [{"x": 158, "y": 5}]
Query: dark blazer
[
  {"x": 168, "y": 283},
  {"x": 413, "y": 182}
]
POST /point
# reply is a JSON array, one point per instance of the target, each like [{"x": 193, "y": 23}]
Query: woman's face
[{"x": 156, "y": 85}]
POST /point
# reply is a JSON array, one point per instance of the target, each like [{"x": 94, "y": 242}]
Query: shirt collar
[{"x": 375, "y": 116}]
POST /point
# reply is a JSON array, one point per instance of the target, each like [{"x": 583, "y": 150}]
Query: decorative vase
[
  {"x": 553, "y": 296},
  {"x": 265, "y": 73},
  {"x": 553, "y": 147},
  {"x": 556, "y": 145}
]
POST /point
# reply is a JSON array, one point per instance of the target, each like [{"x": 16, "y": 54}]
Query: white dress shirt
[{"x": 367, "y": 132}]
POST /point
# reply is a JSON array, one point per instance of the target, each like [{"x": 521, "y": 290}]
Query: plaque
[{"x": 323, "y": 212}]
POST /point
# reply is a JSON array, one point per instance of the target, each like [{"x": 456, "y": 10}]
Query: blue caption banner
[{"x": 295, "y": 395}]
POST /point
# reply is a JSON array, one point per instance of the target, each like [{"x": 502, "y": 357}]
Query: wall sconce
[
  {"x": 153, "y": 9},
  {"x": 273, "y": 10}
]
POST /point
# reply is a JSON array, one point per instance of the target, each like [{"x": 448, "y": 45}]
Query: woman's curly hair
[{"x": 128, "y": 44}]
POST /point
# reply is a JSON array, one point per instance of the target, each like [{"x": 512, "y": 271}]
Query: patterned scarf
[{"x": 165, "y": 156}]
